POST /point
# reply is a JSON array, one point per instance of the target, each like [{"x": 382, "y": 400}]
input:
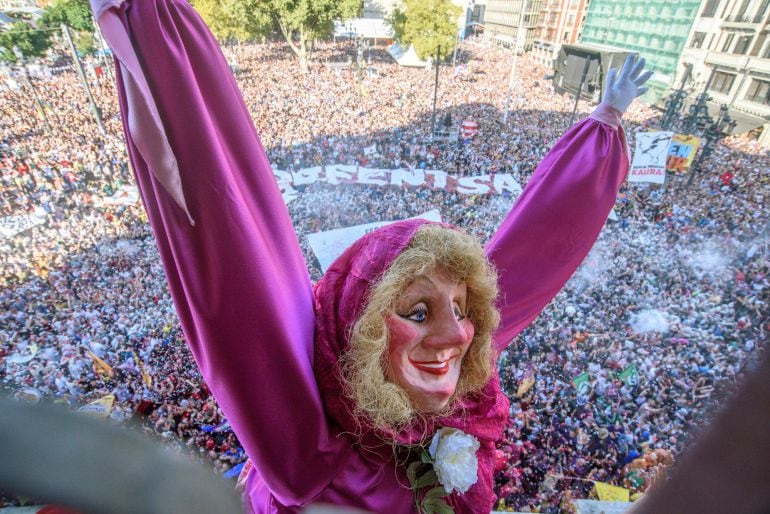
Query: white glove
[{"x": 622, "y": 89}]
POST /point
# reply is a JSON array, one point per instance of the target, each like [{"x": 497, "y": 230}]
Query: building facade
[
  {"x": 656, "y": 29},
  {"x": 472, "y": 11},
  {"x": 474, "y": 17},
  {"x": 10, "y": 5},
  {"x": 378, "y": 9},
  {"x": 504, "y": 18},
  {"x": 560, "y": 23},
  {"x": 729, "y": 52}
]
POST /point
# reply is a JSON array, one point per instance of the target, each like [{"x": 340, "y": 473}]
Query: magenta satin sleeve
[
  {"x": 557, "y": 219},
  {"x": 237, "y": 275}
]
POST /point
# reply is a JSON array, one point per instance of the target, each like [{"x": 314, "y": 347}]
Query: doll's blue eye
[{"x": 419, "y": 315}]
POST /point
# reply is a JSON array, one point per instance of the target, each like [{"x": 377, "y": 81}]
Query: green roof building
[{"x": 656, "y": 29}]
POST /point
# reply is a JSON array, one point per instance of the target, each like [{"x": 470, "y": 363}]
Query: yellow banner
[
  {"x": 100, "y": 408},
  {"x": 681, "y": 152},
  {"x": 101, "y": 367},
  {"x": 145, "y": 377},
  {"x": 611, "y": 493},
  {"x": 525, "y": 385}
]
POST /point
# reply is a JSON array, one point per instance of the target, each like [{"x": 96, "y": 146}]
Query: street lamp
[
  {"x": 20, "y": 56},
  {"x": 511, "y": 79},
  {"x": 435, "y": 95},
  {"x": 714, "y": 131},
  {"x": 675, "y": 102}
]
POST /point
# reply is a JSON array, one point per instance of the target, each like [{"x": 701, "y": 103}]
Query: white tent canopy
[{"x": 406, "y": 56}]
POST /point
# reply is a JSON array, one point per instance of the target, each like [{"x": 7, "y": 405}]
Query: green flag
[
  {"x": 629, "y": 375},
  {"x": 582, "y": 386}
]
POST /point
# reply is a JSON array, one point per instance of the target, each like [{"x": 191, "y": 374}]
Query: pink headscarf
[{"x": 340, "y": 298}]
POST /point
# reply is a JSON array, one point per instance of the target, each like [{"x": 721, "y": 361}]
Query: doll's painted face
[{"x": 428, "y": 337}]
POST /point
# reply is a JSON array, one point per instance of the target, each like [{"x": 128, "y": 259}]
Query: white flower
[{"x": 454, "y": 456}]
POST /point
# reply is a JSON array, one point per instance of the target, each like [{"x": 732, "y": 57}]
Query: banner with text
[
  {"x": 681, "y": 152},
  {"x": 100, "y": 408},
  {"x": 334, "y": 174},
  {"x": 650, "y": 157},
  {"x": 12, "y": 225},
  {"x": 329, "y": 245}
]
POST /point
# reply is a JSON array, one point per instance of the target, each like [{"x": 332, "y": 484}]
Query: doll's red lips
[{"x": 432, "y": 367}]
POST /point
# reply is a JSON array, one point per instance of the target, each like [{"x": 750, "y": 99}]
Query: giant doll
[{"x": 377, "y": 387}]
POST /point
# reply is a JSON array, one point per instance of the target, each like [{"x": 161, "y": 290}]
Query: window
[
  {"x": 742, "y": 11},
  {"x": 722, "y": 82},
  {"x": 697, "y": 40},
  {"x": 763, "y": 9},
  {"x": 759, "y": 92},
  {"x": 711, "y": 8},
  {"x": 742, "y": 46},
  {"x": 761, "y": 39},
  {"x": 728, "y": 42}
]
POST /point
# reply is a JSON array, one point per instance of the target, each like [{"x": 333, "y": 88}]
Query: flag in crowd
[
  {"x": 611, "y": 493},
  {"x": 582, "y": 386},
  {"x": 629, "y": 376},
  {"x": 100, "y": 366},
  {"x": 527, "y": 381}
]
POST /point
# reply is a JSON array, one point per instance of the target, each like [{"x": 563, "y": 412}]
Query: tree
[
  {"x": 234, "y": 19},
  {"x": 85, "y": 43},
  {"x": 429, "y": 25},
  {"x": 26, "y": 38},
  {"x": 304, "y": 21},
  {"x": 75, "y": 13}
]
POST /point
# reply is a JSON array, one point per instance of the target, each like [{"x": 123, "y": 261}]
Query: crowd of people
[{"x": 674, "y": 294}]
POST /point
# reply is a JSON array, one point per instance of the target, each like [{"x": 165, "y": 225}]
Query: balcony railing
[{"x": 734, "y": 18}]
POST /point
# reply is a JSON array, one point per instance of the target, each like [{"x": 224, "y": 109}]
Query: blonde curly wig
[{"x": 365, "y": 365}]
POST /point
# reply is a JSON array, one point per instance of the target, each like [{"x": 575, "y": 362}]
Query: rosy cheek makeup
[
  {"x": 401, "y": 334},
  {"x": 470, "y": 330}
]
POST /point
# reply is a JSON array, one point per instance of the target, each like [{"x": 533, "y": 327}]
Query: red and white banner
[
  {"x": 469, "y": 129},
  {"x": 650, "y": 157},
  {"x": 433, "y": 179}
]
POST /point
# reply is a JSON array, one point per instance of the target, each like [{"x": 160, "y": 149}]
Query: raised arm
[
  {"x": 560, "y": 213},
  {"x": 231, "y": 257}
]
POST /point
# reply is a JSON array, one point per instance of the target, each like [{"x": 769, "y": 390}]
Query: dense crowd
[{"x": 676, "y": 288}]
